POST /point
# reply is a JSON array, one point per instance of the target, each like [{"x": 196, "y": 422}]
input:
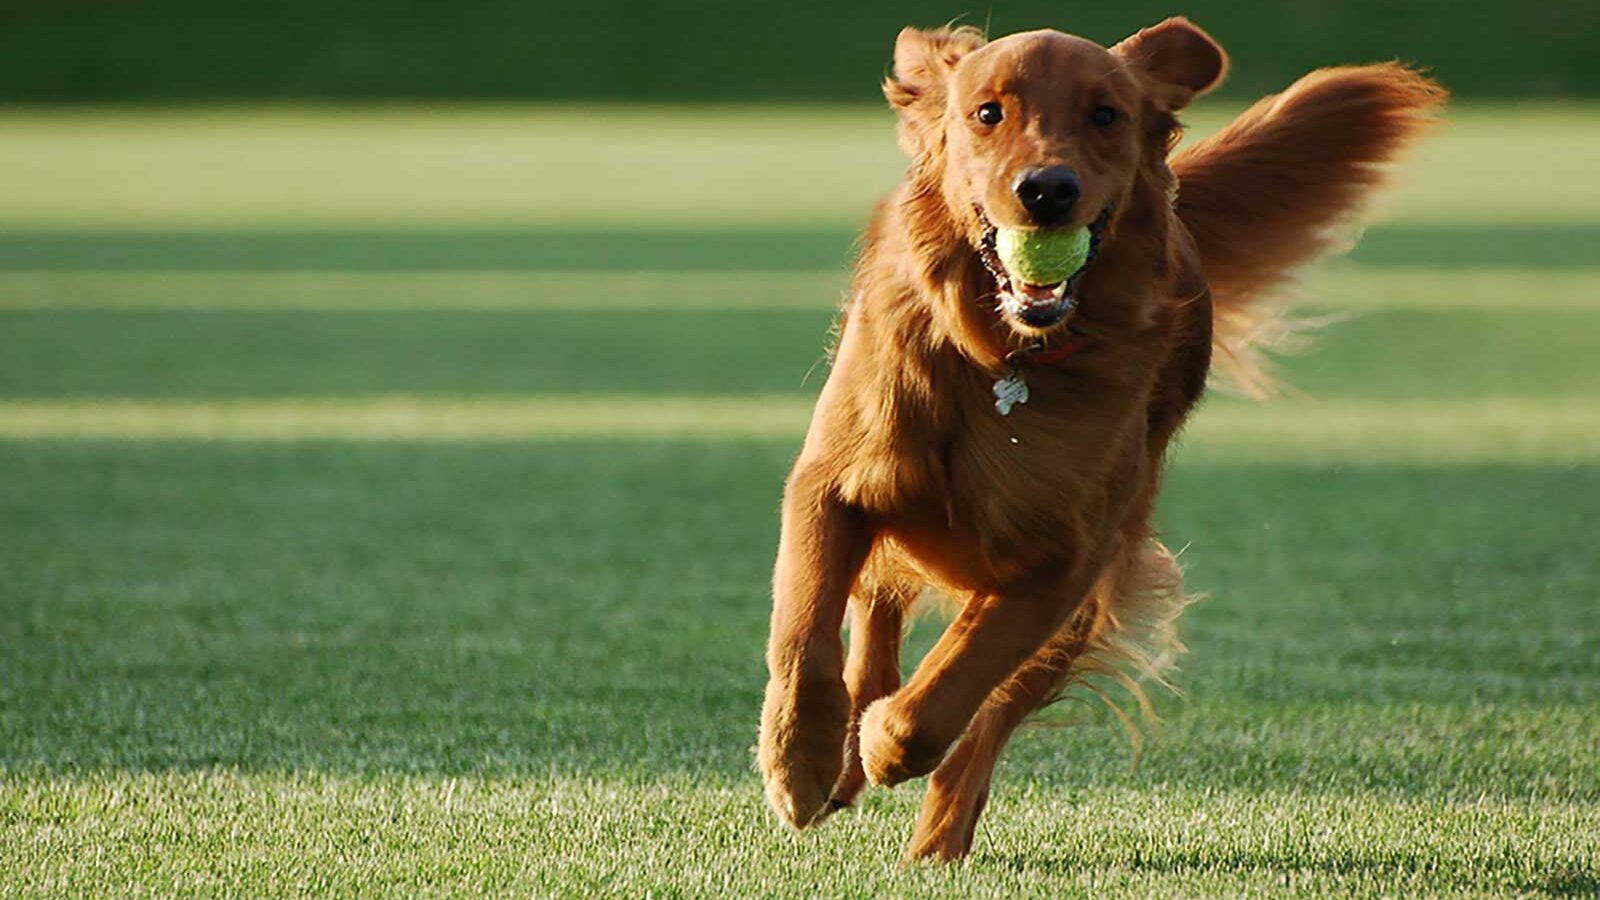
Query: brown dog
[{"x": 1037, "y": 518}]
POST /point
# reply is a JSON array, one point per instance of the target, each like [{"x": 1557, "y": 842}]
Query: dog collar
[
  {"x": 1012, "y": 389},
  {"x": 1059, "y": 354}
]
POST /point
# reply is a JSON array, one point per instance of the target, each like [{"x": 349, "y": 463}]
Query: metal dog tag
[{"x": 1009, "y": 391}]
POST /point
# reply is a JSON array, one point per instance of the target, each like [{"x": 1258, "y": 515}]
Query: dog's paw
[
  {"x": 892, "y": 749},
  {"x": 944, "y": 845},
  {"x": 796, "y": 797},
  {"x": 801, "y": 752},
  {"x": 947, "y": 824}
]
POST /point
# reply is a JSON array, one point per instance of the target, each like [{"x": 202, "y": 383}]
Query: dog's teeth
[{"x": 1060, "y": 291}]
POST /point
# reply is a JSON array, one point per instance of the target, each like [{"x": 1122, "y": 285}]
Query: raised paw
[
  {"x": 893, "y": 749},
  {"x": 801, "y": 751}
]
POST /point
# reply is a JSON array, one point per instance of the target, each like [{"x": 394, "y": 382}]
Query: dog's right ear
[{"x": 923, "y": 61}]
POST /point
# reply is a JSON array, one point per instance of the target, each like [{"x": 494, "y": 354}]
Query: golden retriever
[{"x": 1003, "y": 443}]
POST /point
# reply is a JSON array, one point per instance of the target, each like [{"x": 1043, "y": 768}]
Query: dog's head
[{"x": 1043, "y": 130}]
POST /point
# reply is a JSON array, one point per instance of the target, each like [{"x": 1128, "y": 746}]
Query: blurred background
[
  {"x": 713, "y": 50},
  {"x": 400, "y": 392}
]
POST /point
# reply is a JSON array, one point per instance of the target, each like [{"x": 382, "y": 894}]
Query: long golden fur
[{"x": 1037, "y": 521}]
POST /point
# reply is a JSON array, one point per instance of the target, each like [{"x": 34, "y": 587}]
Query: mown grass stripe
[
  {"x": 669, "y": 168},
  {"x": 1343, "y": 286},
  {"x": 1444, "y": 431},
  {"x": 407, "y": 418},
  {"x": 1346, "y": 285}
]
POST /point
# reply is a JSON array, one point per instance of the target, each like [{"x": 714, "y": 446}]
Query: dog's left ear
[{"x": 1182, "y": 61}]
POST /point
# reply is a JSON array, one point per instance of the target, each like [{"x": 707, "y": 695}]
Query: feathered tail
[
  {"x": 1124, "y": 636},
  {"x": 1285, "y": 183}
]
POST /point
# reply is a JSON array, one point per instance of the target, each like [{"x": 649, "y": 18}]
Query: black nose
[{"x": 1047, "y": 193}]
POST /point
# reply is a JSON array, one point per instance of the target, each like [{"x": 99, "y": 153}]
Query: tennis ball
[{"x": 1042, "y": 257}]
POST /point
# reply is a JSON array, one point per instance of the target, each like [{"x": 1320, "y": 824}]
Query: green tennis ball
[{"x": 1042, "y": 257}]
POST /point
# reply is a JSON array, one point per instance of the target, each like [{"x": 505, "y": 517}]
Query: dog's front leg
[
  {"x": 807, "y": 708},
  {"x": 906, "y": 734}
]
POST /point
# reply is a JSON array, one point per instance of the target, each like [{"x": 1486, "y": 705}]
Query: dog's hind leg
[
  {"x": 906, "y": 734},
  {"x": 1126, "y": 624},
  {"x": 959, "y": 788},
  {"x": 877, "y": 618}
]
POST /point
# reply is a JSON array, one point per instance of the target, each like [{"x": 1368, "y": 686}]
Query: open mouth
[{"x": 1036, "y": 305}]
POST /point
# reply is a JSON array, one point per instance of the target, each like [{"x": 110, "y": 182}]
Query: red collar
[{"x": 1058, "y": 354}]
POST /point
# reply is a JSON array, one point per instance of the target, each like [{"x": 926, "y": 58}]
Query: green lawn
[{"x": 389, "y": 499}]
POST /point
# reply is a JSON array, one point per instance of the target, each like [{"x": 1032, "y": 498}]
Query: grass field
[{"x": 389, "y": 497}]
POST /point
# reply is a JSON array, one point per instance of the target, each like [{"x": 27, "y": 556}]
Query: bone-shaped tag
[{"x": 1008, "y": 392}]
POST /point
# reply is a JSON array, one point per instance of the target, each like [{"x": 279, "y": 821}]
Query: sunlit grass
[
  {"x": 577, "y": 166},
  {"x": 562, "y": 836},
  {"x": 390, "y": 499},
  {"x": 500, "y": 667},
  {"x": 1440, "y": 432}
]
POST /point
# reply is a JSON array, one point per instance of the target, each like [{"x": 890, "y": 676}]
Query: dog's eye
[
  {"x": 1103, "y": 116},
  {"x": 991, "y": 113}
]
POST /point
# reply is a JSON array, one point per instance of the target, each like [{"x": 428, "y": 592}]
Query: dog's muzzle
[{"x": 1036, "y": 306}]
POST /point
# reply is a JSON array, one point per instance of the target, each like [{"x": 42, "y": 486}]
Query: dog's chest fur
[{"x": 997, "y": 498}]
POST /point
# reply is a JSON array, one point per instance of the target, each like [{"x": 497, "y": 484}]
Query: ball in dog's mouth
[{"x": 1034, "y": 305}]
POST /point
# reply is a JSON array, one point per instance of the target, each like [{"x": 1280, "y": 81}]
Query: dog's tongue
[{"x": 1040, "y": 293}]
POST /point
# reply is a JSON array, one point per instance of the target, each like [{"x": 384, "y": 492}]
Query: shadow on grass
[
  {"x": 730, "y": 249},
  {"x": 1401, "y": 354},
  {"x": 1378, "y": 868},
  {"x": 1565, "y": 883},
  {"x": 600, "y": 608},
  {"x": 292, "y": 353}
]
